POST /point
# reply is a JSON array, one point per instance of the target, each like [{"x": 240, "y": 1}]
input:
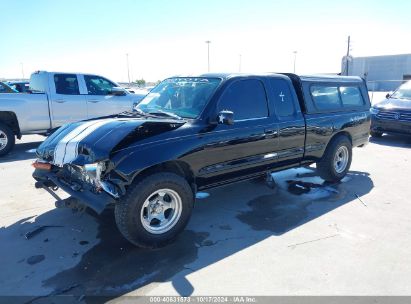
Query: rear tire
[
  {"x": 155, "y": 210},
  {"x": 376, "y": 134},
  {"x": 336, "y": 160},
  {"x": 7, "y": 139}
]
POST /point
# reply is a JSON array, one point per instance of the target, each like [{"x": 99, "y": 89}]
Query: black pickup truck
[{"x": 193, "y": 133}]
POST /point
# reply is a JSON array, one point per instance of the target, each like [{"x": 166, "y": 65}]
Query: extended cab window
[
  {"x": 284, "y": 103},
  {"x": 246, "y": 99},
  {"x": 351, "y": 96},
  {"x": 66, "y": 84},
  {"x": 326, "y": 97},
  {"x": 98, "y": 85}
]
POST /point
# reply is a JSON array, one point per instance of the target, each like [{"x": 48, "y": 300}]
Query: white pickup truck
[{"x": 55, "y": 99}]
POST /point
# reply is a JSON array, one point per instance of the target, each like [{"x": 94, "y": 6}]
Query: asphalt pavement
[{"x": 303, "y": 237}]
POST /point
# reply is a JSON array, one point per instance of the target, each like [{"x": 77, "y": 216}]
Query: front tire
[
  {"x": 7, "y": 139},
  {"x": 155, "y": 210},
  {"x": 336, "y": 160}
]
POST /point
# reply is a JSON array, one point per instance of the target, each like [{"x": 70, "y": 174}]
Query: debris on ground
[
  {"x": 320, "y": 239},
  {"x": 298, "y": 187},
  {"x": 361, "y": 200},
  {"x": 39, "y": 229}
]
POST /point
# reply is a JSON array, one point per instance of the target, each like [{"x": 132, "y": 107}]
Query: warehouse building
[{"x": 383, "y": 73}]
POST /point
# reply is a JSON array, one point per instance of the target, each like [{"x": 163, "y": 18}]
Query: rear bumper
[
  {"x": 96, "y": 201},
  {"x": 390, "y": 126}
]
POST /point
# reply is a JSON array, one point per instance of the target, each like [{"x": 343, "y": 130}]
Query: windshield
[
  {"x": 184, "y": 97},
  {"x": 403, "y": 92}
]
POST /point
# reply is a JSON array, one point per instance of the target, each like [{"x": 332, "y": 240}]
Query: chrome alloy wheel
[
  {"x": 161, "y": 211},
  {"x": 3, "y": 140},
  {"x": 341, "y": 158}
]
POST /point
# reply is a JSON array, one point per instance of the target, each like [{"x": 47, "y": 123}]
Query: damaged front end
[
  {"x": 84, "y": 183},
  {"x": 76, "y": 158}
]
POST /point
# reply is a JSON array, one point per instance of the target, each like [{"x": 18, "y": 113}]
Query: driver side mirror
[
  {"x": 388, "y": 95},
  {"x": 225, "y": 117},
  {"x": 117, "y": 91}
]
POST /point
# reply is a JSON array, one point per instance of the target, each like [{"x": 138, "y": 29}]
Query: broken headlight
[{"x": 93, "y": 172}]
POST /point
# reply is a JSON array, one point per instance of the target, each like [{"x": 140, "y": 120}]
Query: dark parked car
[
  {"x": 393, "y": 115},
  {"x": 4, "y": 88},
  {"x": 193, "y": 133}
]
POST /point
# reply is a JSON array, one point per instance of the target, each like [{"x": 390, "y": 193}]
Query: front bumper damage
[
  {"x": 85, "y": 192},
  {"x": 76, "y": 157}
]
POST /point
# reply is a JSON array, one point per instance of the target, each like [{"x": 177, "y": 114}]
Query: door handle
[
  {"x": 94, "y": 100},
  {"x": 60, "y": 100}
]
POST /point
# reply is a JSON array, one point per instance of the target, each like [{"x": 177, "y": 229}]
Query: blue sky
[{"x": 164, "y": 38}]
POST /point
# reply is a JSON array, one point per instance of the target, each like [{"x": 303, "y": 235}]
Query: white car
[{"x": 56, "y": 99}]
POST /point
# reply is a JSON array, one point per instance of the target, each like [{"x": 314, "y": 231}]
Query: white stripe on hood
[{"x": 67, "y": 149}]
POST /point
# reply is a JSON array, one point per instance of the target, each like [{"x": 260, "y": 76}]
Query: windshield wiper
[
  {"x": 132, "y": 113},
  {"x": 153, "y": 114},
  {"x": 164, "y": 113},
  {"x": 136, "y": 112}
]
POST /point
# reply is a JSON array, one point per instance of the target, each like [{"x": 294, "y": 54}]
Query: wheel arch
[
  {"x": 339, "y": 134},
  {"x": 333, "y": 138},
  {"x": 10, "y": 119},
  {"x": 178, "y": 167}
]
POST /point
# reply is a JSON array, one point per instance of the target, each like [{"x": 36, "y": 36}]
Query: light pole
[
  {"x": 348, "y": 52},
  {"x": 22, "y": 70},
  {"x": 128, "y": 70},
  {"x": 208, "y": 54},
  {"x": 295, "y": 59}
]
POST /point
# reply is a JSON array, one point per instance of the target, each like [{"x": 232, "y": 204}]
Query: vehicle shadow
[
  {"x": 392, "y": 140},
  {"x": 232, "y": 219},
  {"x": 21, "y": 151}
]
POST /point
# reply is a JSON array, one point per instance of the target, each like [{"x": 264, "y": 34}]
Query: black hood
[
  {"x": 394, "y": 104},
  {"x": 93, "y": 140}
]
